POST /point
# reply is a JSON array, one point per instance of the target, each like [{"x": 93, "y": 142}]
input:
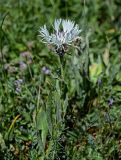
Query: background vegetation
[{"x": 49, "y": 116}]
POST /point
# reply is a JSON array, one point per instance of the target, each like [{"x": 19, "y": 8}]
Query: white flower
[{"x": 65, "y": 33}]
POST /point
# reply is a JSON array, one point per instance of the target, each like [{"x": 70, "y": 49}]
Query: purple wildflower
[
  {"x": 110, "y": 102},
  {"x": 46, "y": 70},
  {"x": 22, "y": 65}
]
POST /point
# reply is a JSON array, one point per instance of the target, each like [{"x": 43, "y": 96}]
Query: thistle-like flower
[{"x": 65, "y": 33}]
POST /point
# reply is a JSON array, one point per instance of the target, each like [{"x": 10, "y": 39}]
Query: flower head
[
  {"x": 110, "y": 102},
  {"x": 65, "y": 33},
  {"x": 46, "y": 70},
  {"x": 18, "y": 85}
]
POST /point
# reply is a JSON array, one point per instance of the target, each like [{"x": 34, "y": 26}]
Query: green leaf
[
  {"x": 106, "y": 57},
  {"x": 2, "y": 142},
  {"x": 57, "y": 102},
  {"x": 49, "y": 118},
  {"x": 118, "y": 77},
  {"x": 117, "y": 88},
  {"x": 65, "y": 104},
  {"x": 95, "y": 70},
  {"x": 42, "y": 124},
  {"x": 72, "y": 87}
]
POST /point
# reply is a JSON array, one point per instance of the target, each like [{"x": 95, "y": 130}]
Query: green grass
[{"x": 71, "y": 116}]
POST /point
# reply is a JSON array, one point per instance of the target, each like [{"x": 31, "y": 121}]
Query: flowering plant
[{"x": 65, "y": 33}]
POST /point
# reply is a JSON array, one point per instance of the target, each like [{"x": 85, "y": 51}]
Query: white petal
[
  {"x": 67, "y": 25},
  {"x": 57, "y": 24}
]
